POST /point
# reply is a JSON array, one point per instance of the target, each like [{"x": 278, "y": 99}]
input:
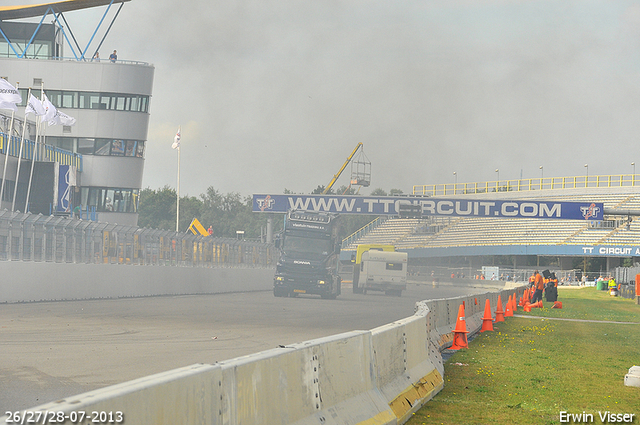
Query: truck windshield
[{"x": 307, "y": 245}]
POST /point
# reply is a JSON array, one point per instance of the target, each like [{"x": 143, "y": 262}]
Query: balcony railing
[
  {"x": 519, "y": 185},
  {"x": 45, "y": 153}
]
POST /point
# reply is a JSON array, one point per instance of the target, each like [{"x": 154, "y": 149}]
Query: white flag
[
  {"x": 62, "y": 118},
  {"x": 50, "y": 110},
  {"x": 176, "y": 140},
  {"x": 34, "y": 107},
  {"x": 8, "y": 93},
  {"x": 8, "y": 105}
]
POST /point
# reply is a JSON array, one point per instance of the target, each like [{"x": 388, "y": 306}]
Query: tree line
[{"x": 227, "y": 213}]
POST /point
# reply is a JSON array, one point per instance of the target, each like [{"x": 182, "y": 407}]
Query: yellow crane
[{"x": 359, "y": 181}]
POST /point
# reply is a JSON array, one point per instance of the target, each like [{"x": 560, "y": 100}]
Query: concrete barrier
[
  {"x": 25, "y": 281},
  {"x": 378, "y": 377}
]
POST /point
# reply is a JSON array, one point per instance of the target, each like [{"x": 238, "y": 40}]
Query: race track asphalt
[{"x": 52, "y": 350}]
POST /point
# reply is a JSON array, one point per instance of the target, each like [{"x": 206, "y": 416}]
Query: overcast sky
[{"x": 276, "y": 94}]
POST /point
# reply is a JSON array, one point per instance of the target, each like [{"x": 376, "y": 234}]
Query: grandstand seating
[{"x": 436, "y": 232}]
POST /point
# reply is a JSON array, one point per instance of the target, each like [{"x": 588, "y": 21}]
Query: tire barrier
[{"x": 380, "y": 377}]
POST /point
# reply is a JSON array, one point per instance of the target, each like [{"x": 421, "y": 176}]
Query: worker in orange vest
[{"x": 539, "y": 285}]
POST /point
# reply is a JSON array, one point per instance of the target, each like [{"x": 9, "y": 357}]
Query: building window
[
  {"x": 110, "y": 199},
  {"x": 102, "y": 147},
  {"x": 91, "y": 100},
  {"x": 86, "y": 146}
]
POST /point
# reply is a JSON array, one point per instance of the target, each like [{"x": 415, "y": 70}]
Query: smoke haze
[{"x": 276, "y": 94}]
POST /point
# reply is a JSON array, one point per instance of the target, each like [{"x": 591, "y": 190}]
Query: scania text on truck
[{"x": 309, "y": 251}]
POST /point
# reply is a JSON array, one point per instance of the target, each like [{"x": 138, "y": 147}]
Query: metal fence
[
  {"x": 519, "y": 185},
  {"x": 626, "y": 276},
  {"x": 31, "y": 237}
]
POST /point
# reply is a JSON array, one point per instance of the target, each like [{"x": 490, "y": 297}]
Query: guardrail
[
  {"x": 35, "y": 237},
  {"x": 363, "y": 231},
  {"x": 43, "y": 152},
  {"x": 380, "y": 376},
  {"x": 519, "y": 185}
]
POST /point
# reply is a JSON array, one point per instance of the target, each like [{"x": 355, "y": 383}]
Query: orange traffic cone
[
  {"x": 460, "y": 332},
  {"x": 499, "y": 312},
  {"x": 514, "y": 303},
  {"x": 521, "y": 303},
  {"x": 527, "y": 296},
  {"x": 508, "y": 308},
  {"x": 557, "y": 304},
  {"x": 487, "y": 320},
  {"x": 536, "y": 305}
]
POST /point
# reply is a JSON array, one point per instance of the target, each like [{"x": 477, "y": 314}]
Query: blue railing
[{"x": 46, "y": 152}]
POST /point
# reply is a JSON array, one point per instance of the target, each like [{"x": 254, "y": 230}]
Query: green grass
[{"x": 530, "y": 369}]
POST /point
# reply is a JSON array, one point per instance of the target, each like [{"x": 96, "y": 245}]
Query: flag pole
[
  {"x": 24, "y": 129},
  {"x": 6, "y": 157},
  {"x": 33, "y": 153},
  {"x": 178, "y": 182},
  {"x": 178, "y": 194}
]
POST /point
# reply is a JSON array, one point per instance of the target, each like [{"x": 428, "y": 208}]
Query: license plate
[{"x": 300, "y": 291}]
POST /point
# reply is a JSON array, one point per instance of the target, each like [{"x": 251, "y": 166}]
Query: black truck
[{"x": 309, "y": 254}]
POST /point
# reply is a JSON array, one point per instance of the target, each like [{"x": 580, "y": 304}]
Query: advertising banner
[
  {"x": 389, "y": 205},
  {"x": 64, "y": 188}
]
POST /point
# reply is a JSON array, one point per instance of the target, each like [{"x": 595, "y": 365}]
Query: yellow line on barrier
[
  {"x": 381, "y": 418},
  {"x": 420, "y": 392}
]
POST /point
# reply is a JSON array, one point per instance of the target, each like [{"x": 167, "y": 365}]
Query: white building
[{"x": 110, "y": 101}]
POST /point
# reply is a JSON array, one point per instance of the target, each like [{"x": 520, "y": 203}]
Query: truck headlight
[
  {"x": 321, "y": 282},
  {"x": 279, "y": 278}
]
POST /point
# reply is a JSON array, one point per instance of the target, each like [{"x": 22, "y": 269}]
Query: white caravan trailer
[{"x": 383, "y": 271}]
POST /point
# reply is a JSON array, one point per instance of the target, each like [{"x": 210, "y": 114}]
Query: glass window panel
[
  {"x": 131, "y": 148},
  {"x": 120, "y": 103},
  {"x": 135, "y": 103},
  {"x": 85, "y": 100},
  {"x": 103, "y": 147},
  {"x": 86, "y": 146},
  {"x": 69, "y": 99},
  {"x": 25, "y": 94},
  {"x": 65, "y": 143},
  {"x": 145, "y": 104},
  {"x": 55, "y": 97},
  {"x": 134, "y": 199},
  {"x": 127, "y": 104},
  {"x": 105, "y": 101},
  {"x": 126, "y": 201},
  {"x": 117, "y": 147},
  {"x": 108, "y": 200},
  {"x": 118, "y": 203},
  {"x": 84, "y": 196},
  {"x": 140, "y": 150},
  {"x": 94, "y": 99}
]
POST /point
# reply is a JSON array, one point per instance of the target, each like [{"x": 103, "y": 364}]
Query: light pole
[
  {"x": 498, "y": 173},
  {"x": 634, "y": 168},
  {"x": 586, "y": 181},
  {"x": 455, "y": 176},
  {"x": 633, "y": 178},
  {"x": 541, "y": 172}
]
